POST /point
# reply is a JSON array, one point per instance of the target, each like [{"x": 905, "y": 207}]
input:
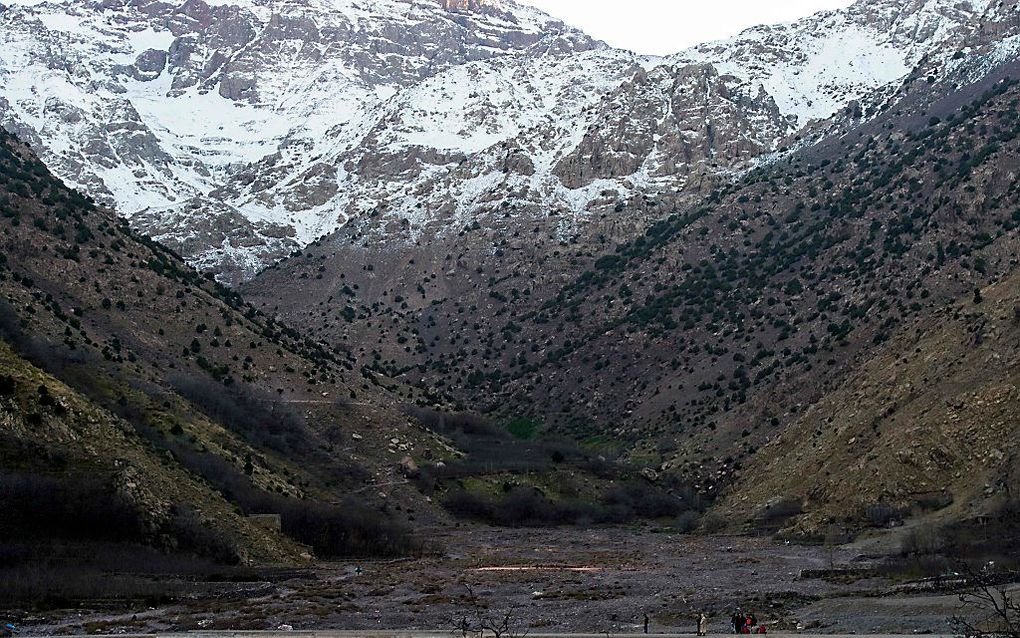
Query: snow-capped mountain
[{"x": 239, "y": 130}]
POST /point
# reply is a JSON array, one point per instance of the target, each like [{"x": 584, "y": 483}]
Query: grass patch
[{"x": 522, "y": 429}]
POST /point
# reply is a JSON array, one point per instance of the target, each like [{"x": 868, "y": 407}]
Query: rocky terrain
[
  {"x": 182, "y": 409},
  {"x": 925, "y": 421},
  {"x": 554, "y": 580},
  {"x": 156, "y": 429},
  {"x": 559, "y": 580},
  {"x": 466, "y": 266}
]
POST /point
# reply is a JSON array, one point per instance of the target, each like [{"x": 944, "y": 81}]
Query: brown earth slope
[
  {"x": 928, "y": 422},
  {"x": 41, "y": 417}
]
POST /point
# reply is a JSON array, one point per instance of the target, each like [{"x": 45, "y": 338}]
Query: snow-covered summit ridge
[
  {"x": 239, "y": 130},
  {"x": 152, "y": 106},
  {"x": 816, "y": 65}
]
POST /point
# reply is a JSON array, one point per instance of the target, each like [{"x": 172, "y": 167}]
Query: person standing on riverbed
[
  {"x": 737, "y": 621},
  {"x": 702, "y": 624},
  {"x": 646, "y": 623}
]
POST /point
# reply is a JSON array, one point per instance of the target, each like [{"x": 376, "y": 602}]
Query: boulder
[{"x": 409, "y": 467}]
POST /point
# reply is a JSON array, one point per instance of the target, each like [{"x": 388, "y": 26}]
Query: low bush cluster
[
  {"x": 68, "y": 537},
  {"x": 491, "y": 450},
  {"x": 68, "y": 508},
  {"x": 261, "y": 420},
  {"x": 778, "y": 512},
  {"x": 333, "y": 531},
  {"x": 528, "y": 507}
]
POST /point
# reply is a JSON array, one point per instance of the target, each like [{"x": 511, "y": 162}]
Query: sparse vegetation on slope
[
  {"x": 703, "y": 338},
  {"x": 926, "y": 426},
  {"x": 117, "y": 345}
]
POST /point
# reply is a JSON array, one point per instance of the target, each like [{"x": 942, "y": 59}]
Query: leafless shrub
[
  {"x": 44, "y": 587},
  {"x": 527, "y": 507},
  {"x": 190, "y": 534},
  {"x": 254, "y": 415},
  {"x": 991, "y": 609},
  {"x": 934, "y": 502},
  {"x": 925, "y": 540},
  {"x": 350, "y": 529},
  {"x": 781, "y": 510},
  {"x": 455, "y": 425},
  {"x": 882, "y": 515},
  {"x": 71, "y": 507},
  {"x": 687, "y": 522},
  {"x": 504, "y": 624},
  {"x": 713, "y": 522}
]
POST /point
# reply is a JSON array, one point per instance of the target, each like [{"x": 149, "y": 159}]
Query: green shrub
[{"x": 522, "y": 428}]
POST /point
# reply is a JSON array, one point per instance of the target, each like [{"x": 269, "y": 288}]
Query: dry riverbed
[{"x": 559, "y": 580}]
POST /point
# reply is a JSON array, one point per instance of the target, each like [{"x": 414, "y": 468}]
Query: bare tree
[
  {"x": 500, "y": 625},
  {"x": 467, "y": 623},
  {"x": 462, "y": 625},
  {"x": 990, "y": 608},
  {"x": 505, "y": 625}
]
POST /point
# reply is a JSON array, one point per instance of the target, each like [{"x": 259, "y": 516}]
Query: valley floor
[{"x": 600, "y": 581}]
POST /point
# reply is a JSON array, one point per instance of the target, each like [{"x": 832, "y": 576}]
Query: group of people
[
  {"x": 741, "y": 623},
  {"x": 746, "y": 624}
]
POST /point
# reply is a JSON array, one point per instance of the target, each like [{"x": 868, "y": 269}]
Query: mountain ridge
[
  {"x": 679, "y": 257},
  {"x": 698, "y": 342},
  {"x": 250, "y": 187}
]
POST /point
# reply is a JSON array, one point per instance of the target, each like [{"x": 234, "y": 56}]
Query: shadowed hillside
[{"x": 185, "y": 409}]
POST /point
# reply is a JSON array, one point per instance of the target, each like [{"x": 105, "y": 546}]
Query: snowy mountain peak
[{"x": 239, "y": 130}]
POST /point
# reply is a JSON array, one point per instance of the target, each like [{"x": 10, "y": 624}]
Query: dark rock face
[
  {"x": 700, "y": 118},
  {"x": 152, "y": 61}
]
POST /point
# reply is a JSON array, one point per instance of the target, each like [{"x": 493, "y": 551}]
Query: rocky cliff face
[
  {"x": 464, "y": 5},
  {"x": 240, "y": 130}
]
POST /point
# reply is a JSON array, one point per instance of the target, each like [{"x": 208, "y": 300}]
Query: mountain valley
[{"x": 316, "y": 299}]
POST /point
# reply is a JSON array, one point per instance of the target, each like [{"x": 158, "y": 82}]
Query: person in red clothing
[{"x": 750, "y": 624}]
